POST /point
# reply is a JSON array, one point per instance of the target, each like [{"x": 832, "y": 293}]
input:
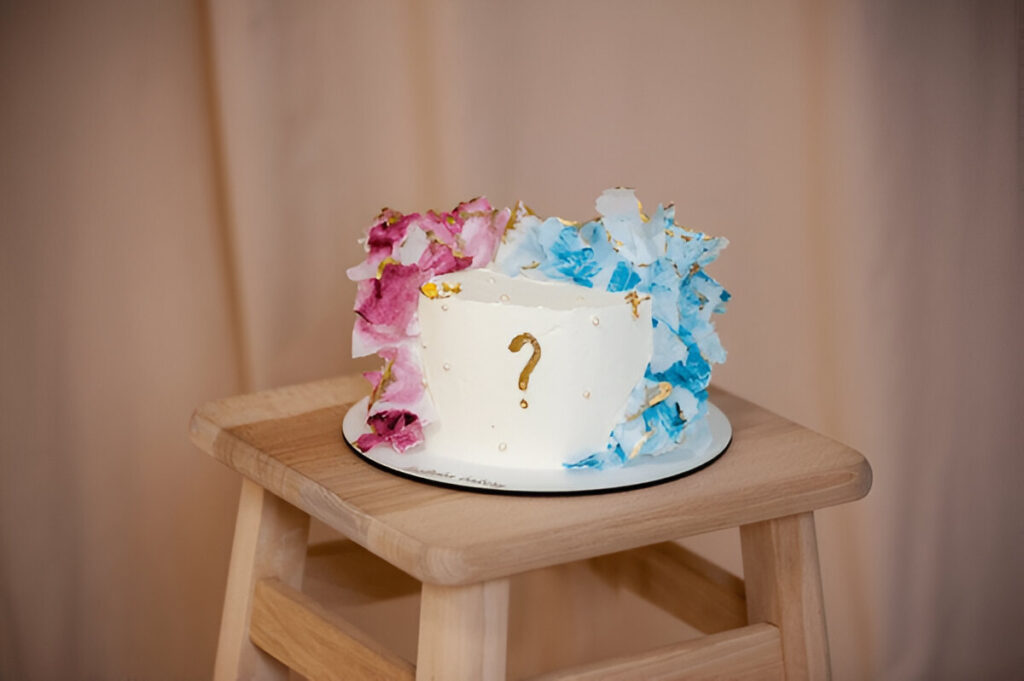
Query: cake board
[{"x": 424, "y": 465}]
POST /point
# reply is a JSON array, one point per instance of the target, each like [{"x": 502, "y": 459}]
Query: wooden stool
[{"x": 464, "y": 546}]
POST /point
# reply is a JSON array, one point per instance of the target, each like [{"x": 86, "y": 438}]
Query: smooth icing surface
[{"x": 593, "y": 351}]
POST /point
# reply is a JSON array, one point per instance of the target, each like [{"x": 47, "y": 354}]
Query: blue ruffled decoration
[
  {"x": 624, "y": 251},
  {"x": 623, "y": 278},
  {"x": 570, "y": 258}
]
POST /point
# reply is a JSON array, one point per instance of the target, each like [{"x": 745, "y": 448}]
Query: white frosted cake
[
  {"x": 513, "y": 341},
  {"x": 562, "y": 409}
]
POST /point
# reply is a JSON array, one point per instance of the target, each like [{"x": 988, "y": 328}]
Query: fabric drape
[{"x": 183, "y": 186}]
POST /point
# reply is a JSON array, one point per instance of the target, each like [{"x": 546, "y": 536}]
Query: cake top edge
[{"x": 490, "y": 286}]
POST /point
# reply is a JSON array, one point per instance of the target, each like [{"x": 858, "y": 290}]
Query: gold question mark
[{"x": 524, "y": 376}]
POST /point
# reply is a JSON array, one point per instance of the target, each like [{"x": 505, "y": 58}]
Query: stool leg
[
  {"x": 783, "y": 584},
  {"x": 270, "y": 541},
  {"x": 463, "y": 632}
]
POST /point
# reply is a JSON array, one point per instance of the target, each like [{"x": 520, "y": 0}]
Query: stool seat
[{"x": 288, "y": 442}]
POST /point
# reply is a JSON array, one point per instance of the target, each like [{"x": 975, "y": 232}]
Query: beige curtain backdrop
[{"x": 181, "y": 187}]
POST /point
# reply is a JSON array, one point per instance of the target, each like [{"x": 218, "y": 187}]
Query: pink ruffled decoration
[
  {"x": 396, "y": 399},
  {"x": 374, "y": 378},
  {"x": 444, "y": 226},
  {"x": 480, "y": 229},
  {"x": 387, "y": 298},
  {"x": 387, "y": 233},
  {"x": 403, "y": 388},
  {"x": 400, "y": 429},
  {"x": 439, "y": 259},
  {"x": 481, "y": 235},
  {"x": 386, "y": 308}
]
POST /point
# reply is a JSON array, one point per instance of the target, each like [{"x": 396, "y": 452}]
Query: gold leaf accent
[
  {"x": 616, "y": 244},
  {"x": 640, "y": 443},
  {"x": 532, "y": 266},
  {"x": 456, "y": 250},
  {"x": 651, "y": 399},
  {"x": 430, "y": 290},
  {"x": 643, "y": 215},
  {"x": 634, "y": 299},
  {"x": 519, "y": 210},
  {"x": 386, "y": 379},
  {"x": 384, "y": 263},
  {"x": 664, "y": 390}
]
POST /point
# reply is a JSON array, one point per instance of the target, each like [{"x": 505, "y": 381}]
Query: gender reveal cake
[{"x": 512, "y": 340}]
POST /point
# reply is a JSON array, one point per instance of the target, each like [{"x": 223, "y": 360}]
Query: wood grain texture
[
  {"x": 780, "y": 563},
  {"x": 350, "y": 568},
  {"x": 290, "y": 442},
  {"x": 751, "y": 653},
  {"x": 559, "y": 617},
  {"x": 270, "y": 541},
  {"x": 317, "y": 643},
  {"x": 366, "y": 591},
  {"x": 463, "y": 632},
  {"x": 702, "y": 594}
]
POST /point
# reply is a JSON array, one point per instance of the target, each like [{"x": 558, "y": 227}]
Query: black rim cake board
[{"x": 526, "y": 493}]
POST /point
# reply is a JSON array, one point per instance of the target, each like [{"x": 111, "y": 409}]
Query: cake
[{"x": 520, "y": 342}]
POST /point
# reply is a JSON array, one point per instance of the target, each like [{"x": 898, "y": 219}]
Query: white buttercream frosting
[{"x": 593, "y": 351}]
